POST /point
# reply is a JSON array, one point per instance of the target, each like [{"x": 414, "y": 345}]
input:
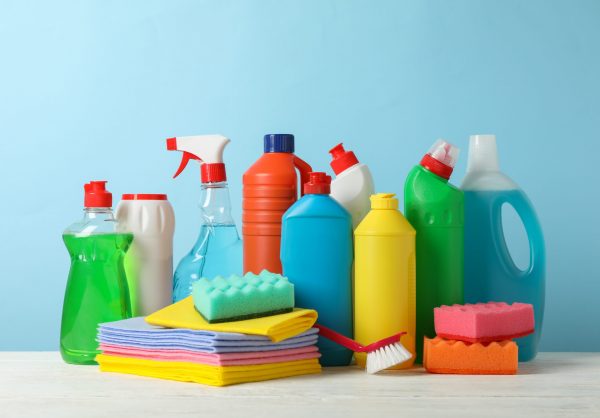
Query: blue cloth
[{"x": 135, "y": 332}]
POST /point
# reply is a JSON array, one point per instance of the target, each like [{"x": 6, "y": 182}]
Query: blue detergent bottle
[
  {"x": 316, "y": 255},
  {"x": 490, "y": 272},
  {"x": 218, "y": 249}
]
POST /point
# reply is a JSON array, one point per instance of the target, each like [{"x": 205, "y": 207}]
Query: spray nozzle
[
  {"x": 207, "y": 149},
  {"x": 184, "y": 162}
]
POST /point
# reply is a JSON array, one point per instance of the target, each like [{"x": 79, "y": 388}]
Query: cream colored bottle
[{"x": 385, "y": 277}]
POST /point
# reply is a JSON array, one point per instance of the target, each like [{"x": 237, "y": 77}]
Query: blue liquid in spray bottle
[{"x": 218, "y": 249}]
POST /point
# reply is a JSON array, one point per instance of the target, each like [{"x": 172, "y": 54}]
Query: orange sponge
[{"x": 458, "y": 357}]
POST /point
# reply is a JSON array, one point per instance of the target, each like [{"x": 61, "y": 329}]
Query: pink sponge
[{"x": 484, "y": 322}]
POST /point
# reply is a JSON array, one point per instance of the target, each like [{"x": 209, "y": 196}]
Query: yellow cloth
[
  {"x": 205, "y": 374},
  {"x": 183, "y": 314}
]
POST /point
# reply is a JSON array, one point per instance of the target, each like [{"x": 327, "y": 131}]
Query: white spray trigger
[{"x": 205, "y": 148}]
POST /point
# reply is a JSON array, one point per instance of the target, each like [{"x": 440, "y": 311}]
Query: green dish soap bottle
[
  {"x": 97, "y": 286},
  {"x": 435, "y": 209}
]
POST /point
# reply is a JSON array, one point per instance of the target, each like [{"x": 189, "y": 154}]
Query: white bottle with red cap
[
  {"x": 149, "y": 261},
  {"x": 353, "y": 184}
]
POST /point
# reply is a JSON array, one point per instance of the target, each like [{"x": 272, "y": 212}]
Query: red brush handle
[{"x": 350, "y": 344}]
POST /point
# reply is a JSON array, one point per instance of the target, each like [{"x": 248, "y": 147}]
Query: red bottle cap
[
  {"x": 342, "y": 159},
  {"x": 441, "y": 158},
  {"x": 144, "y": 196},
  {"x": 96, "y": 195},
  {"x": 318, "y": 183},
  {"x": 213, "y": 172}
]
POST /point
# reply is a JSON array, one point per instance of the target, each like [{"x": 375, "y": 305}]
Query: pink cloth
[{"x": 223, "y": 359}]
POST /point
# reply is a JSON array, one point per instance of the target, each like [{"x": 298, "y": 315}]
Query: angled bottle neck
[{"x": 215, "y": 204}]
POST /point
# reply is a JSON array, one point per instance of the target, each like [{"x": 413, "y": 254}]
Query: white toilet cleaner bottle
[
  {"x": 353, "y": 184},
  {"x": 149, "y": 261}
]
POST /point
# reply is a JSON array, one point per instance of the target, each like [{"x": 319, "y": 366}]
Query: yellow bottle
[{"x": 384, "y": 283}]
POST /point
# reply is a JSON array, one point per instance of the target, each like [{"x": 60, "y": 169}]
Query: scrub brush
[{"x": 381, "y": 354}]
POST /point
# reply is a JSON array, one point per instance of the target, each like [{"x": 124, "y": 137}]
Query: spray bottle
[{"x": 218, "y": 249}]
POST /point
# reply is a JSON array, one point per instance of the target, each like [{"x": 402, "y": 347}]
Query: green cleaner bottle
[
  {"x": 435, "y": 209},
  {"x": 97, "y": 286}
]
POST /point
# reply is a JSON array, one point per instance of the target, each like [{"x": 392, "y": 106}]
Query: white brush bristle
[{"x": 386, "y": 357}]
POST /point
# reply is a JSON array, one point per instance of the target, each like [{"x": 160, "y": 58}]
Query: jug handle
[
  {"x": 525, "y": 210},
  {"x": 304, "y": 168}
]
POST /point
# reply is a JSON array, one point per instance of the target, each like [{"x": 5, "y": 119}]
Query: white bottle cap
[{"x": 483, "y": 154}]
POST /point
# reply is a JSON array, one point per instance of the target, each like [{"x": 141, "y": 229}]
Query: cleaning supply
[
  {"x": 353, "y": 183},
  {"x": 207, "y": 374},
  {"x": 183, "y": 314},
  {"x": 96, "y": 289},
  {"x": 490, "y": 272},
  {"x": 458, "y": 357},
  {"x": 149, "y": 261},
  {"x": 270, "y": 188},
  {"x": 381, "y": 355},
  {"x": 484, "y": 322},
  {"x": 209, "y": 357},
  {"x": 136, "y": 333},
  {"x": 384, "y": 281},
  {"x": 316, "y": 253},
  {"x": 225, "y": 359},
  {"x": 435, "y": 209},
  {"x": 218, "y": 249},
  {"x": 236, "y": 298}
]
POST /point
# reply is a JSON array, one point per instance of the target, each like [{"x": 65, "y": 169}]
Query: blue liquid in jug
[{"x": 490, "y": 272}]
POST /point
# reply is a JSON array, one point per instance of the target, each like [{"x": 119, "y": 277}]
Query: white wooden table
[{"x": 554, "y": 385}]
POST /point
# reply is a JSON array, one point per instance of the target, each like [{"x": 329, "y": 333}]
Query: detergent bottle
[
  {"x": 316, "y": 253},
  {"x": 435, "y": 209},
  {"x": 384, "y": 281},
  {"x": 149, "y": 261},
  {"x": 270, "y": 188},
  {"x": 96, "y": 289},
  {"x": 353, "y": 183},
  {"x": 218, "y": 249},
  {"x": 490, "y": 272}
]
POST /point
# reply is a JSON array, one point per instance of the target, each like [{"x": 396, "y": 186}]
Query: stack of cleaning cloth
[
  {"x": 178, "y": 343},
  {"x": 477, "y": 338}
]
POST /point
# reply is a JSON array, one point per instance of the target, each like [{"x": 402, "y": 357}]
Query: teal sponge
[{"x": 236, "y": 298}]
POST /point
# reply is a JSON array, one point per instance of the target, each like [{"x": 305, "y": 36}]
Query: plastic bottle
[
  {"x": 218, "y": 249},
  {"x": 435, "y": 209},
  {"x": 384, "y": 282},
  {"x": 96, "y": 289},
  {"x": 490, "y": 272},
  {"x": 149, "y": 261},
  {"x": 270, "y": 188},
  {"x": 353, "y": 184},
  {"x": 316, "y": 253}
]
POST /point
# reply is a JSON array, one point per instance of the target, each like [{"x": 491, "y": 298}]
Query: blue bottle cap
[{"x": 279, "y": 143}]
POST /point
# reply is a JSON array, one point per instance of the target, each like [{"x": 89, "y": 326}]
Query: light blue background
[{"x": 90, "y": 90}]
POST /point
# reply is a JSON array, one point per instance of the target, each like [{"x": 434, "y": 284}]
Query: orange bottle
[{"x": 270, "y": 188}]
